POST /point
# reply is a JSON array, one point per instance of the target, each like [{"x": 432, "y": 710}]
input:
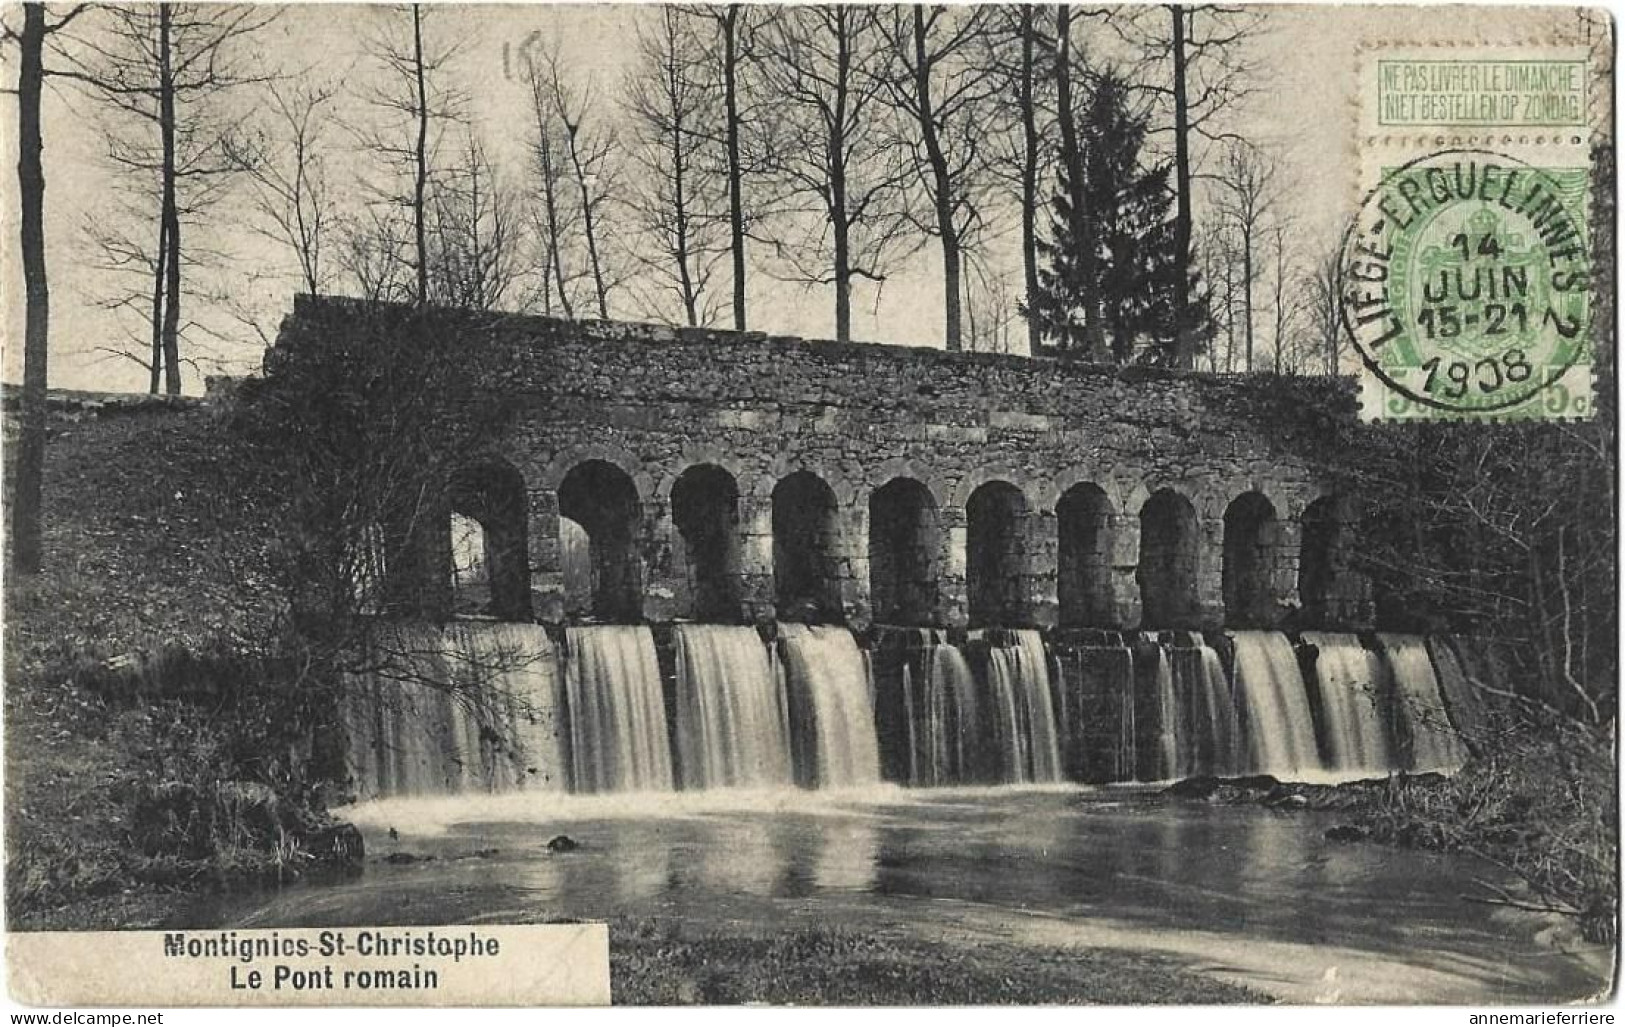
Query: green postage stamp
[{"x": 1467, "y": 278}]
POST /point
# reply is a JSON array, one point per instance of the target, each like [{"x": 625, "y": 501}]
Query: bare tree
[
  {"x": 288, "y": 165},
  {"x": 1247, "y": 197},
  {"x": 412, "y": 108},
  {"x": 744, "y": 123},
  {"x": 1292, "y": 356},
  {"x": 682, "y": 209},
  {"x": 1218, "y": 259},
  {"x": 1323, "y": 284},
  {"x": 587, "y": 158},
  {"x": 991, "y": 308},
  {"x": 1023, "y": 52},
  {"x": 166, "y": 73},
  {"x": 840, "y": 177},
  {"x": 552, "y": 212},
  {"x": 371, "y": 245},
  {"x": 1193, "y": 62},
  {"x": 474, "y": 233},
  {"x": 945, "y": 91},
  {"x": 25, "y": 502}
]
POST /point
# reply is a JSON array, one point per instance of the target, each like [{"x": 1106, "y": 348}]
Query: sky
[{"x": 1302, "y": 108}]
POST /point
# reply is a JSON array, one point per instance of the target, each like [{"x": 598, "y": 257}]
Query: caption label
[{"x": 545, "y": 964}]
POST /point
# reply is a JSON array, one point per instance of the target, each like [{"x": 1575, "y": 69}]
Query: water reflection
[{"x": 1241, "y": 878}]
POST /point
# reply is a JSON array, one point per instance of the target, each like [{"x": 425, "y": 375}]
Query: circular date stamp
[{"x": 1466, "y": 289}]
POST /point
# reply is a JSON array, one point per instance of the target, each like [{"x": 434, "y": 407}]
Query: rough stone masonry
[{"x": 1033, "y": 492}]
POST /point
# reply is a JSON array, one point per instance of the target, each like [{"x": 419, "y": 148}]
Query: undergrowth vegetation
[
  {"x": 152, "y": 744},
  {"x": 1538, "y": 806}
]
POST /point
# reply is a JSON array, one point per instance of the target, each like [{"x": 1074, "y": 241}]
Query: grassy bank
[
  {"x": 120, "y": 792},
  {"x": 662, "y": 962}
]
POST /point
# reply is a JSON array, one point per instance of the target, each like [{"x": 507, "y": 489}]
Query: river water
[{"x": 1246, "y": 894}]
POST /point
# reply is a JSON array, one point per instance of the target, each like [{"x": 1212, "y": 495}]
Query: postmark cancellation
[{"x": 1467, "y": 271}]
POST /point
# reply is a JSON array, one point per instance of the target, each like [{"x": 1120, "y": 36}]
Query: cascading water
[
  {"x": 1167, "y": 765},
  {"x": 1270, "y": 692},
  {"x": 468, "y": 707},
  {"x": 618, "y": 739},
  {"x": 1350, "y": 680},
  {"x": 831, "y": 702},
  {"x": 485, "y": 706},
  {"x": 733, "y": 727},
  {"x": 1020, "y": 709},
  {"x": 1210, "y": 740},
  {"x": 1426, "y": 739},
  {"x": 939, "y": 711}
]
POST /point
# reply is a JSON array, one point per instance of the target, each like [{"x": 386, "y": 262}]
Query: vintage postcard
[{"x": 547, "y": 505}]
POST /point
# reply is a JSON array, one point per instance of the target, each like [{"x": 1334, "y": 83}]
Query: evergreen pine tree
[{"x": 1119, "y": 247}]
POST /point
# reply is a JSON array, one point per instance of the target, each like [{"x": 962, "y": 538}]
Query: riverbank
[
  {"x": 1537, "y": 811},
  {"x": 666, "y": 962}
]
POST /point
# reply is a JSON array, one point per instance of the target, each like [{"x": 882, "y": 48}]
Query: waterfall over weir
[
  {"x": 471, "y": 707},
  {"x": 479, "y": 706},
  {"x": 1020, "y": 709},
  {"x": 1210, "y": 740},
  {"x": 733, "y": 725},
  {"x": 827, "y": 680},
  {"x": 1352, "y": 680},
  {"x": 1275, "y": 706},
  {"x": 618, "y": 740},
  {"x": 1422, "y": 732},
  {"x": 939, "y": 712}
]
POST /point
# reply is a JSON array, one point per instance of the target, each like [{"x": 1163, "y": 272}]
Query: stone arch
[
  {"x": 566, "y": 461},
  {"x": 974, "y": 479},
  {"x": 698, "y": 454},
  {"x": 705, "y": 511},
  {"x": 904, "y": 552},
  {"x": 1117, "y": 490},
  {"x": 489, "y": 561},
  {"x": 806, "y": 549},
  {"x": 1320, "y": 559},
  {"x": 996, "y": 556},
  {"x": 601, "y": 498},
  {"x": 1083, "y": 571},
  {"x": 1169, "y": 557},
  {"x": 1251, "y": 543},
  {"x": 846, "y": 490},
  {"x": 902, "y": 467}
]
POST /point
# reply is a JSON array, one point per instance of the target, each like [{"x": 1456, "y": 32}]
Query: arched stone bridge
[{"x": 723, "y": 476}]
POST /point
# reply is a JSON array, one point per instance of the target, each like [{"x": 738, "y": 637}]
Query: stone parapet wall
[{"x": 654, "y": 402}]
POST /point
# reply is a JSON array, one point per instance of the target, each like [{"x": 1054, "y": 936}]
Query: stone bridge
[{"x": 655, "y": 474}]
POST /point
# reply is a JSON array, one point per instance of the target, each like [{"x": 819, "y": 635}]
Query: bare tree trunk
[
  {"x": 171, "y": 211},
  {"x": 155, "y": 366},
  {"x": 1083, "y": 230},
  {"x": 943, "y": 189},
  {"x": 843, "y": 261},
  {"x": 1280, "y": 298},
  {"x": 27, "y": 488},
  {"x": 550, "y": 202},
  {"x": 685, "y": 279},
  {"x": 1184, "y": 341},
  {"x": 421, "y": 182},
  {"x": 736, "y": 200},
  {"x": 587, "y": 224},
  {"x": 1029, "y": 171},
  {"x": 837, "y": 186},
  {"x": 1247, "y": 293},
  {"x": 1229, "y": 316}
]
